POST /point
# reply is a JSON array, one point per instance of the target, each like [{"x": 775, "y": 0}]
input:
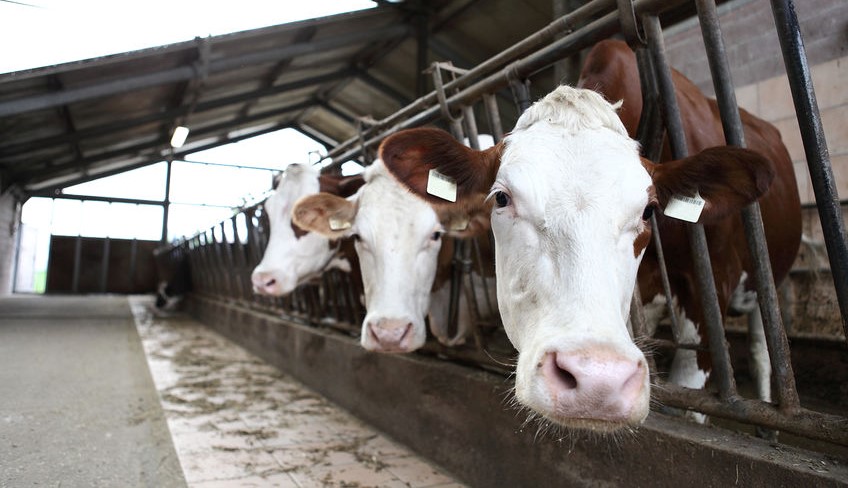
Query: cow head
[
  {"x": 572, "y": 199},
  {"x": 397, "y": 237},
  {"x": 294, "y": 256}
]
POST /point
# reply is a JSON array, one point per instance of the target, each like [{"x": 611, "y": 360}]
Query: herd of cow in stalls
[{"x": 569, "y": 201}]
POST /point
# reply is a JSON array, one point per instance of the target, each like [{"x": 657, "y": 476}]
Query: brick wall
[
  {"x": 758, "y": 72},
  {"x": 752, "y": 45}
]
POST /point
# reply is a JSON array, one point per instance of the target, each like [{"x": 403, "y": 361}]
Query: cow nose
[
  {"x": 263, "y": 282},
  {"x": 390, "y": 334},
  {"x": 594, "y": 384}
]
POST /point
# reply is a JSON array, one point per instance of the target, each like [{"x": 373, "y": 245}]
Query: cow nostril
[
  {"x": 271, "y": 282},
  {"x": 558, "y": 372},
  {"x": 566, "y": 378}
]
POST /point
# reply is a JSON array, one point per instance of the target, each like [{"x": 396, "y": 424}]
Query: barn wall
[
  {"x": 9, "y": 213},
  {"x": 756, "y": 63}
]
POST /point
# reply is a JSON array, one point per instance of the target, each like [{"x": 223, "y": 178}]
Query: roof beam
[
  {"x": 183, "y": 73},
  {"x": 133, "y": 151},
  {"x": 22, "y": 147},
  {"x": 34, "y": 186}
]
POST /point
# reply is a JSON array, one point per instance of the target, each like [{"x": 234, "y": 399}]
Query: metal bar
[
  {"x": 781, "y": 363},
  {"x": 815, "y": 148},
  {"x": 722, "y": 371},
  {"x": 166, "y": 203},
  {"x": 91, "y": 198},
  {"x": 599, "y": 29},
  {"x": 539, "y": 38},
  {"x": 133, "y": 264},
  {"x": 77, "y": 258},
  {"x": 104, "y": 265},
  {"x": 802, "y": 422},
  {"x": 493, "y": 115},
  {"x": 184, "y": 73}
]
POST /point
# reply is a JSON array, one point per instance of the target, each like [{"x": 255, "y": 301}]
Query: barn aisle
[
  {"x": 77, "y": 403},
  {"x": 237, "y": 421}
]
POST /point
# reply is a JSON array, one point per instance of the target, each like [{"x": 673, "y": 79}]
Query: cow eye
[
  {"x": 648, "y": 212},
  {"x": 356, "y": 237},
  {"x": 502, "y": 199},
  {"x": 436, "y": 236}
]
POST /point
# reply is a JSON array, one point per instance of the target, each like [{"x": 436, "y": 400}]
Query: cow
[
  {"x": 573, "y": 200},
  {"x": 404, "y": 262},
  {"x": 606, "y": 67},
  {"x": 294, "y": 256}
]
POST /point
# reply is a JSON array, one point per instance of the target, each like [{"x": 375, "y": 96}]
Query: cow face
[
  {"x": 572, "y": 199},
  {"x": 397, "y": 238},
  {"x": 291, "y": 257}
]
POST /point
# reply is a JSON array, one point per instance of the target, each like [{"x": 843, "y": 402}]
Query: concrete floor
[{"x": 79, "y": 408}]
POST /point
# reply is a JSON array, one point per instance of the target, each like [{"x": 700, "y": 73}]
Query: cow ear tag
[
  {"x": 339, "y": 224},
  {"x": 685, "y": 208},
  {"x": 441, "y": 186}
]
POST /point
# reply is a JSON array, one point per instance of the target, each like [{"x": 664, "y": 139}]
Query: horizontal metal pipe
[
  {"x": 584, "y": 37},
  {"x": 541, "y": 37},
  {"x": 802, "y": 422}
]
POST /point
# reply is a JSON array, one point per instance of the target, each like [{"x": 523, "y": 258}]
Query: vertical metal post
[
  {"x": 133, "y": 263},
  {"x": 104, "y": 265},
  {"x": 722, "y": 371},
  {"x": 494, "y": 116},
  {"x": 734, "y": 135},
  {"x": 77, "y": 258},
  {"x": 166, "y": 203},
  {"x": 815, "y": 148}
]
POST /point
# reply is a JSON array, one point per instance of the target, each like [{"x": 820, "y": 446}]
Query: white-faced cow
[
  {"x": 572, "y": 201},
  {"x": 294, "y": 256},
  {"x": 398, "y": 238}
]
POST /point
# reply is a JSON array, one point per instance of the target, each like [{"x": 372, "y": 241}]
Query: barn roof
[{"x": 70, "y": 123}]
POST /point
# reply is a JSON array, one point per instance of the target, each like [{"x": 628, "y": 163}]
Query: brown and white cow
[
  {"x": 404, "y": 262},
  {"x": 572, "y": 201},
  {"x": 294, "y": 256}
]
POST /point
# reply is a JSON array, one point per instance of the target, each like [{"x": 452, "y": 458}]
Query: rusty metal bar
[
  {"x": 734, "y": 134},
  {"x": 815, "y": 148},
  {"x": 802, "y": 422},
  {"x": 722, "y": 371}
]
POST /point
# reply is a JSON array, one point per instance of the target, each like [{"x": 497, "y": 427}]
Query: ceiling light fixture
[{"x": 179, "y": 137}]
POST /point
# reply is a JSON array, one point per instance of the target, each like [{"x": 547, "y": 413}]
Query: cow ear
[
  {"x": 327, "y": 214},
  {"x": 727, "y": 178},
  {"x": 411, "y": 154}
]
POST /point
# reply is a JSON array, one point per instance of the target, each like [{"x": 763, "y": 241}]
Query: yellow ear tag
[
  {"x": 441, "y": 186},
  {"x": 339, "y": 224},
  {"x": 685, "y": 208}
]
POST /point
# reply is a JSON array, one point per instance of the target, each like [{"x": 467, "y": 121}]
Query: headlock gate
[{"x": 465, "y": 102}]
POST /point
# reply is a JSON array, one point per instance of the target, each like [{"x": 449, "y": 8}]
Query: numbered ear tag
[
  {"x": 441, "y": 186},
  {"x": 685, "y": 208},
  {"x": 339, "y": 224}
]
